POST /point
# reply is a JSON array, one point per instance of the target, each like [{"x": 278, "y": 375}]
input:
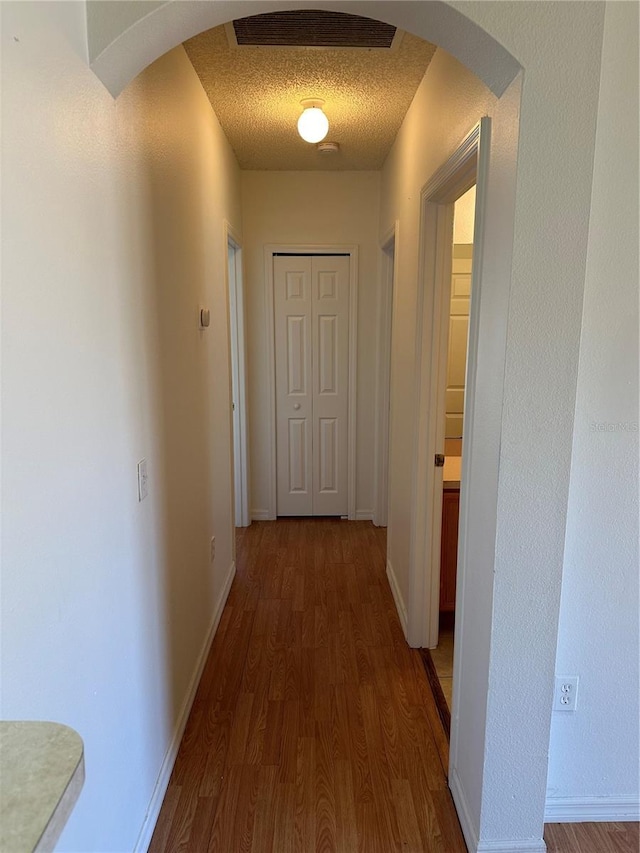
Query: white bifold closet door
[{"x": 311, "y": 304}]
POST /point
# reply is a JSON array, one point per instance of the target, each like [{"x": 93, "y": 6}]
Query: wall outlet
[
  {"x": 566, "y": 695},
  {"x": 143, "y": 480},
  {"x": 213, "y": 548}
]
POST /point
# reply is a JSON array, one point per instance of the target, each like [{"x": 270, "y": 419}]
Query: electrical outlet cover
[{"x": 566, "y": 694}]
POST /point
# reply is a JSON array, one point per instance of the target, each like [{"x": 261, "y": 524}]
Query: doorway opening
[
  {"x": 468, "y": 166},
  {"x": 439, "y": 659}
]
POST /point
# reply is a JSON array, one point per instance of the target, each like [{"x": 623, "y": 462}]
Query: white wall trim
[
  {"x": 387, "y": 276},
  {"x": 482, "y": 151},
  {"x": 353, "y": 382},
  {"x": 364, "y": 515},
  {"x": 118, "y": 60},
  {"x": 533, "y": 846},
  {"x": 160, "y": 789},
  {"x": 435, "y": 273},
  {"x": 238, "y": 362},
  {"x": 316, "y": 249},
  {"x": 260, "y": 515},
  {"x": 271, "y": 381},
  {"x": 464, "y": 812},
  {"x": 591, "y": 809},
  {"x": 438, "y": 195},
  {"x": 471, "y": 835},
  {"x": 397, "y": 597}
]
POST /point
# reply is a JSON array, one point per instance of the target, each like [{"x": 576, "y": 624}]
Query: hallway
[{"x": 313, "y": 727}]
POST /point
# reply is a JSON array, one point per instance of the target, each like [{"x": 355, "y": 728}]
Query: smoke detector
[{"x": 328, "y": 147}]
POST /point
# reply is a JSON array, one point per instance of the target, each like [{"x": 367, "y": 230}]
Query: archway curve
[{"x": 123, "y": 39}]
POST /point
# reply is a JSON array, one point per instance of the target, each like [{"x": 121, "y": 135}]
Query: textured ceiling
[{"x": 256, "y": 94}]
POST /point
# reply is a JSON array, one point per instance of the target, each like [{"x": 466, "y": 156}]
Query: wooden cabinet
[{"x": 449, "y": 548}]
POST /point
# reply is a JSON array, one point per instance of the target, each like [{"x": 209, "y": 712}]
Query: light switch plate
[{"x": 143, "y": 480}]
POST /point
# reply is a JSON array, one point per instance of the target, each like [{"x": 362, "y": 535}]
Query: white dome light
[{"x": 313, "y": 125}]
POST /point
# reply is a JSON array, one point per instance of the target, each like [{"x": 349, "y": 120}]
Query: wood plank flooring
[
  {"x": 313, "y": 728},
  {"x": 592, "y": 837}
]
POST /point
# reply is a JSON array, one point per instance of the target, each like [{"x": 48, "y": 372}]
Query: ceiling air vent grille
[{"x": 311, "y": 28}]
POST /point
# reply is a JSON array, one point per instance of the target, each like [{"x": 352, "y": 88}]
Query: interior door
[
  {"x": 311, "y": 304},
  {"x": 330, "y": 366},
  {"x": 292, "y": 306}
]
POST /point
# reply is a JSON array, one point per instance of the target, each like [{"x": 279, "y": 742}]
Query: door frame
[
  {"x": 238, "y": 361},
  {"x": 382, "y": 428},
  {"x": 466, "y": 166},
  {"x": 270, "y": 250}
]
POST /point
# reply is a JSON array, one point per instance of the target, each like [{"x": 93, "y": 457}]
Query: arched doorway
[{"x": 503, "y": 543}]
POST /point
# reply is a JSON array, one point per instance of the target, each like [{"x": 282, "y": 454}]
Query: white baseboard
[
  {"x": 471, "y": 835},
  {"x": 264, "y": 515},
  {"x": 519, "y": 846},
  {"x": 364, "y": 515},
  {"x": 397, "y": 597},
  {"x": 260, "y": 515},
  {"x": 146, "y": 832},
  {"x": 464, "y": 814},
  {"x": 591, "y": 809}
]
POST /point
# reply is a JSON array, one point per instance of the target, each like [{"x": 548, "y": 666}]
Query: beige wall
[
  {"x": 449, "y": 102},
  {"x": 320, "y": 208},
  {"x": 458, "y": 336},
  {"x": 112, "y": 229},
  {"x": 464, "y": 210}
]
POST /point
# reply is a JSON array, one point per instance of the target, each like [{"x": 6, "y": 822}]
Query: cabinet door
[{"x": 449, "y": 549}]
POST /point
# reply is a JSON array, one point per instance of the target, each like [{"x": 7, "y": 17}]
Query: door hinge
[{"x": 439, "y": 460}]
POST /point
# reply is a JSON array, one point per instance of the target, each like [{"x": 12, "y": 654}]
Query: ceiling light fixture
[{"x": 313, "y": 125}]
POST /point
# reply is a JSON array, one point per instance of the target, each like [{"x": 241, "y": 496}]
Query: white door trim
[
  {"x": 382, "y": 426},
  {"x": 468, "y": 165},
  {"x": 238, "y": 357},
  {"x": 312, "y": 249}
]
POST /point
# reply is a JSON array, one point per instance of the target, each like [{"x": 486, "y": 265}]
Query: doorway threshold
[{"x": 436, "y": 688}]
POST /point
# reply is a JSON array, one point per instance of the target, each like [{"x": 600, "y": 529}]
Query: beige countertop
[{"x": 41, "y": 775}]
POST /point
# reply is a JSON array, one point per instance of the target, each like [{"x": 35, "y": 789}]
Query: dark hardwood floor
[{"x": 314, "y": 727}]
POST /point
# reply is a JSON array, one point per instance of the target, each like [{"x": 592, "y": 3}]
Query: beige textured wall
[
  {"x": 310, "y": 207},
  {"x": 112, "y": 228},
  {"x": 449, "y": 102},
  {"x": 463, "y": 216}
]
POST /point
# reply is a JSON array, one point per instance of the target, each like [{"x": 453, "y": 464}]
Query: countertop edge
[{"x": 60, "y": 816}]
